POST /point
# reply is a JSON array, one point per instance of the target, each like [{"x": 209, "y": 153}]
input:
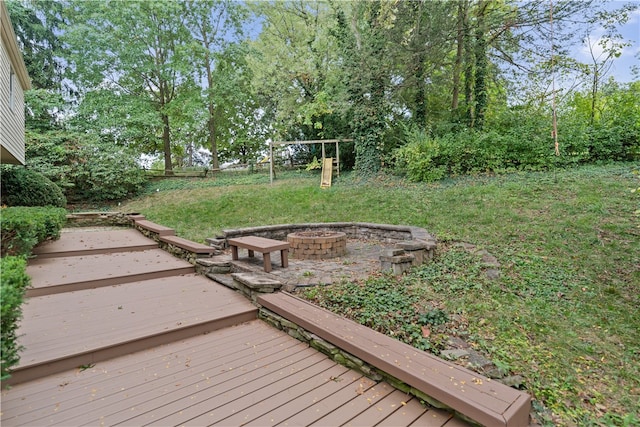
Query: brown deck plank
[
  {"x": 247, "y": 363},
  {"x": 304, "y": 401},
  {"x": 159, "y": 229},
  {"x": 124, "y": 382},
  {"x": 193, "y": 352},
  {"x": 408, "y": 412},
  {"x": 355, "y": 406},
  {"x": 481, "y": 399},
  {"x": 435, "y": 418},
  {"x": 328, "y": 404},
  {"x": 239, "y": 411},
  {"x": 105, "y": 318},
  {"x": 74, "y": 242},
  {"x": 65, "y": 274},
  {"x": 196, "y": 411},
  {"x": 197, "y": 248},
  {"x": 376, "y": 412},
  {"x": 150, "y": 397}
]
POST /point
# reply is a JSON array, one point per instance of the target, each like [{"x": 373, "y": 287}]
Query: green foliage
[
  {"x": 383, "y": 305},
  {"x": 25, "y": 227},
  {"x": 13, "y": 283},
  {"x": 26, "y": 187},
  {"x": 86, "y": 168},
  {"x": 517, "y": 138},
  {"x": 315, "y": 164},
  {"x": 36, "y": 25},
  {"x": 109, "y": 172},
  {"x": 418, "y": 155}
]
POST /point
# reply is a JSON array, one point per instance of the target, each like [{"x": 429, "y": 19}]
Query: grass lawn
[{"x": 563, "y": 314}]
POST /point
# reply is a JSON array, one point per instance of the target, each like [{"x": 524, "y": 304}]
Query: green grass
[{"x": 564, "y": 313}]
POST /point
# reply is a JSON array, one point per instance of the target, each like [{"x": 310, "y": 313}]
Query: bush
[
  {"x": 24, "y": 227},
  {"x": 86, "y": 168},
  {"x": 25, "y": 187},
  {"x": 14, "y": 281},
  {"x": 418, "y": 157}
]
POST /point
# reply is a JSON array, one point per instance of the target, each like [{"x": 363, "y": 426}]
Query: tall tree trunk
[
  {"x": 481, "y": 69},
  {"x": 166, "y": 142},
  {"x": 211, "y": 125},
  {"x": 211, "y": 122},
  {"x": 468, "y": 69},
  {"x": 421, "y": 104},
  {"x": 457, "y": 67},
  {"x": 594, "y": 94}
]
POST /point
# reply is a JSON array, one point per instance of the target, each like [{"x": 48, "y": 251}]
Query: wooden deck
[
  {"x": 479, "y": 398},
  {"x": 250, "y": 374},
  {"x": 94, "y": 242},
  {"x": 172, "y": 350}
]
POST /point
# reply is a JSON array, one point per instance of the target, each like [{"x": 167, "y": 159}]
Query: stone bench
[
  {"x": 482, "y": 400},
  {"x": 262, "y": 245}
]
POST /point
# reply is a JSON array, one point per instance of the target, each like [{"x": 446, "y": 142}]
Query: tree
[
  {"x": 136, "y": 51},
  {"x": 214, "y": 25},
  {"x": 36, "y": 24},
  {"x": 295, "y": 67},
  {"x": 422, "y": 32},
  {"x": 365, "y": 52}
]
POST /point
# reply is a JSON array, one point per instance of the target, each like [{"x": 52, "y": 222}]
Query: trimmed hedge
[
  {"x": 25, "y": 187},
  {"x": 13, "y": 282},
  {"x": 24, "y": 227}
]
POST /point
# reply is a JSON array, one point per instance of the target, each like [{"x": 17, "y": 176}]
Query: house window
[{"x": 12, "y": 89}]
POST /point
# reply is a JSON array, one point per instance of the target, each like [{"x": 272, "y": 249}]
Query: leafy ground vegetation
[{"x": 564, "y": 312}]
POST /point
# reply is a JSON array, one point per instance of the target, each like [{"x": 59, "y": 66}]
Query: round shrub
[
  {"x": 24, "y": 187},
  {"x": 12, "y": 287}
]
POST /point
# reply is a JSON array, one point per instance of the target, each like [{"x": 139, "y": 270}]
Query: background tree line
[{"x": 425, "y": 87}]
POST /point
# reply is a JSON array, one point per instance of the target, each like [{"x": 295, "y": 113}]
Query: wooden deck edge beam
[
  {"x": 96, "y": 251},
  {"x": 111, "y": 281},
  {"x": 188, "y": 245},
  {"x": 158, "y": 229},
  {"x": 32, "y": 372},
  {"x": 508, "y": 407}
]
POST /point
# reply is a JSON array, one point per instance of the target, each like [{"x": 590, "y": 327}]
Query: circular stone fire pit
[{"x": 317, "y": 244}]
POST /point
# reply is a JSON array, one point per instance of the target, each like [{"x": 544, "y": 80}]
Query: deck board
[
  {"x": 75, "y": 242},
  {"x": 60, "y": 326},
  {"x": 65, "y": 274},
  {"x": 246, "y": 373},
  {"x": 168, "y": 350},
  {"x": 486, "y": 401}
]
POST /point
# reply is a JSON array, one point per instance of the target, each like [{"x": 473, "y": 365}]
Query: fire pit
[{"x": 317, "y": 244}]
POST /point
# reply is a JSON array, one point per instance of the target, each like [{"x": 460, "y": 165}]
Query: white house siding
[{"x": 11, "y": 114}]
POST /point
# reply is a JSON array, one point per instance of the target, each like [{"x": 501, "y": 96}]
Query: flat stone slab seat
[
  {"x": 94, "y": 242},
  {"x": 160, "y": 230},
  {"x": 116, "y": 320},
  {"x": 481, "y": 399},
  {"x": 64, "y": 274},
  {"x": 262, "y": 245},
  {"x": 196, "y": 248}
]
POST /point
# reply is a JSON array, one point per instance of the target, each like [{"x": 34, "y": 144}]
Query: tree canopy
[{"x": 170, "y": 78}]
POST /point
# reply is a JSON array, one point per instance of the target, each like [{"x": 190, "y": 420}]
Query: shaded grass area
[{"x": 564, "y": 313}]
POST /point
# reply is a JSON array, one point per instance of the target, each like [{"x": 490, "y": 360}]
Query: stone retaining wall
[{"x": 355, "y": 230}]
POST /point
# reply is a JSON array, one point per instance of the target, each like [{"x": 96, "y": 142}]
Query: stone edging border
[{"x": 356, "y": 230}]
